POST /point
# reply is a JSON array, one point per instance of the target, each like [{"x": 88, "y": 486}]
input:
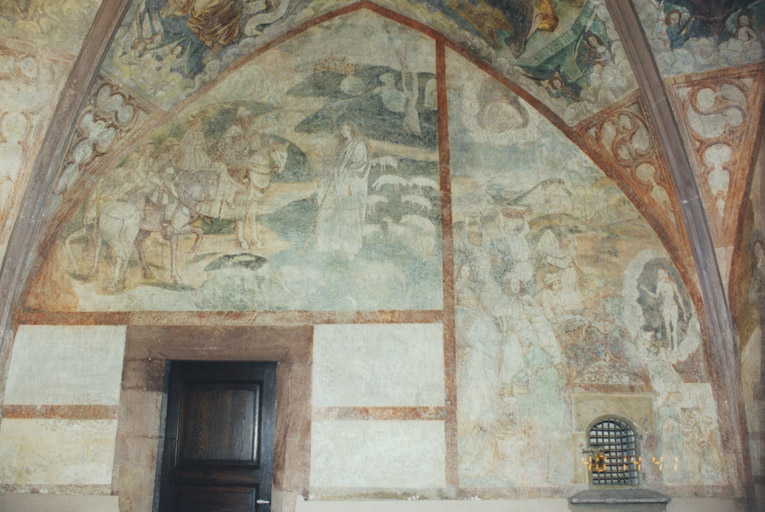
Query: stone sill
[{"x": 619, "y": 497}]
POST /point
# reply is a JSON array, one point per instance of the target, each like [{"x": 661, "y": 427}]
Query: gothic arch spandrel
[{"x": 720, "y": 114}]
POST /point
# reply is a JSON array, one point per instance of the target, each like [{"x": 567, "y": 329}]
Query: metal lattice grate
[{"x": 615, "y": 461}]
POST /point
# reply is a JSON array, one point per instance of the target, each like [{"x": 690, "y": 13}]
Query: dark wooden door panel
[
  {"x": 219, "y": 422},
  {"x": 217, "y": 475},
  {"x": 219, "y": 437},
  {"x": 215, "y": 499}
]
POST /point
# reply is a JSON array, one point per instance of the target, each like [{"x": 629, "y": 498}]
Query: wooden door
[{"x": 219, "y": 438}]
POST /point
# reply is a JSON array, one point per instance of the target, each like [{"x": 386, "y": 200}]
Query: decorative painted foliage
[{"x": 719, "y": 115}]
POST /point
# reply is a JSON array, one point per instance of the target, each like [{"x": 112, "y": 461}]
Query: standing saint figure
[
  {"x": 342, "y": 209},
  {"x": 670, "y": 304}
]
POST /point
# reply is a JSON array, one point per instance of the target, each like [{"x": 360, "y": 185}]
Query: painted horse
[{"x": 125, "y": 223}]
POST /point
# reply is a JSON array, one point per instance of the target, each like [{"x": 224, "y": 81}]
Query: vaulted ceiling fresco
[
  {"x": 565, "y": 52},
  {"x": 688, "y": 36},
  {"x": 58, "y": 25}
]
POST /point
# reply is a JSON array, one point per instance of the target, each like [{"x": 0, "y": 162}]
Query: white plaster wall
[
  {"x": 62, "y": 366},
  {"x": 69, "y": 365},
  {"x": 378, "y": 454},
  {"x": 378, "y": 365},
  {"x": 57, "y": 452}
]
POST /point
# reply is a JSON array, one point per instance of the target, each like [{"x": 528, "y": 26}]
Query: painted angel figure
[
  {"x": 743, "y": 45},
  {"x": 677, "y": 32}
]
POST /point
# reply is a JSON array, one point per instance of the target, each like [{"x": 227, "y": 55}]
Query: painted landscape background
[{"x": 313, "y": 86}]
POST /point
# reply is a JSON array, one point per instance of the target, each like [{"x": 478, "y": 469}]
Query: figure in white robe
[{"x": 342, "y": 209}]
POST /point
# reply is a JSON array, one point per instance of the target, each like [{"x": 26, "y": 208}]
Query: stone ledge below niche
[{"x": 622, "y": 500}]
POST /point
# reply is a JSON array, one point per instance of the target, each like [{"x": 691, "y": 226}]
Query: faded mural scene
[
  {"x": 38, "y": 41},
  {"x": 60, "y": 25},
  {"x": 183, "y": 44},
  {"x": 695, "y": 35},
  {"x": 235, "y": 157},
  {"x": 312, "y": 186},
  {"x": 565, "y": 51},
  {"x": 561, "y": 288},
  {"x": 748, "y": 297}
]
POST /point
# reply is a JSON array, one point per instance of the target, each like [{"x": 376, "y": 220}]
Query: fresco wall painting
[
  {"x": 152, "y": 51},
  {"x": 623, "y": 137},
  {"x": 747, "y": 292},
  {"x": 566, "y": 52},
  {"x": 30, "y": 80},
  {"x": 314, "y": 186},
  {"x": 561, "y": 287},
  {"x": 693, "y": 35},
  {"x": 37, "y": 47},
  {"x": 108, "y": 117},
  {"x": 58, "y": 25},
  {"x": 325, "y": 169},
  {"x": 183, "y": 45}
]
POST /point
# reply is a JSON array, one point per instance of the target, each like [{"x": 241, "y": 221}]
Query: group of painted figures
[
  {"x": 523, "y": 318},
  {"x": 169, "y": 187}
]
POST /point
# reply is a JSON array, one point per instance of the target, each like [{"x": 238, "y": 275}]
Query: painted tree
[{"x": 409, "y": 82}]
